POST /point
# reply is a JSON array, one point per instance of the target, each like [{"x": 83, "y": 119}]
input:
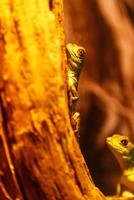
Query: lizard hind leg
[{"x": 76, "y": 123}]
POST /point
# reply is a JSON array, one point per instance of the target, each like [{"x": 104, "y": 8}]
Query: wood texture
[{"x": 40, "y": 150}]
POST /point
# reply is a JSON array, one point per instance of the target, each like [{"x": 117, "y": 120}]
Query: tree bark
[{"x": 40, "y": 156}]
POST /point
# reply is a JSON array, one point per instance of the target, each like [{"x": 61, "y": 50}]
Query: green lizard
[
  {"x": 123, "y": 150},
  {"x": 75, "y": 58}
]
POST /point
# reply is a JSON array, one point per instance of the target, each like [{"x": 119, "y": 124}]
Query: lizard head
[
  {"x": 75, "y": 57},
  {"x": 122, "y": 148}
]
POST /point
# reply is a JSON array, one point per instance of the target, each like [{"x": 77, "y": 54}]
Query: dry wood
[{"x": 42, "y": 153}]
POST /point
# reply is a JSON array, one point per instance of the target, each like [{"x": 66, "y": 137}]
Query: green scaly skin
[
  {"x": 75, "y": 58},
  {"x": 123, "y": 150}
]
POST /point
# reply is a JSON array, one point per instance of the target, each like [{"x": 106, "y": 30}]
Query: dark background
[{"x": 106, "y": 86}]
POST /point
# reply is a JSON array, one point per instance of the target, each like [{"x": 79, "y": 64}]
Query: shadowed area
[{"x": 105, "y": 30}]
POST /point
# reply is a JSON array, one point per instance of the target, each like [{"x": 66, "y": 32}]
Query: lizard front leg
[
  {"x": 118, "y": 189},
  {"x": 73, "y": 98}
]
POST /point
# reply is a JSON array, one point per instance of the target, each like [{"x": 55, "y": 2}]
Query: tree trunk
[{"x": 40, "y": 156}]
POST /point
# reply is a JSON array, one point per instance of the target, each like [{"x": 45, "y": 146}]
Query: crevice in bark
[
  {"x": 7, "y": 149},
  {"x": 51, "y": 5}
]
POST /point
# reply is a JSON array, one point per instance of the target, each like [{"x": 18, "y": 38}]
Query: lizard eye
[
  {"x": 124, "y": 142},
  {"x": 81, "y": 52}
]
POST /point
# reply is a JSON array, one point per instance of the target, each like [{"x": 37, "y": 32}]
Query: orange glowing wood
[{"x": 40, "y": 142}]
